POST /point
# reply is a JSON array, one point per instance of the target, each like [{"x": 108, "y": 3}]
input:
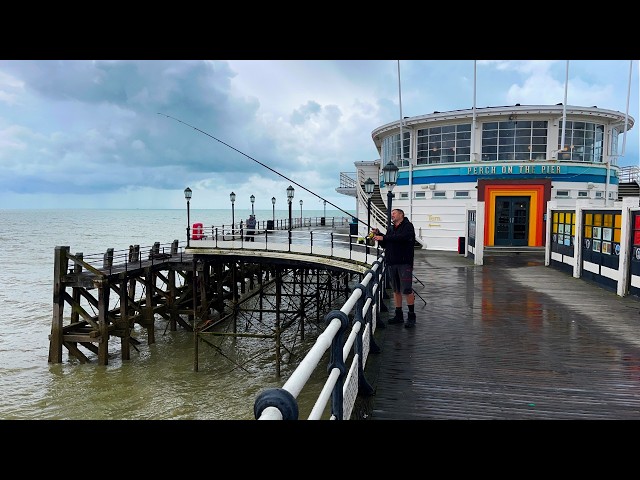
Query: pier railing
[
  {"x": 316, "y": 242},
  {"x": 357, "y": 320}
]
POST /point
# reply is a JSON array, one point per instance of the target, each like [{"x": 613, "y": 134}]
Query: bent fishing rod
[{"x": 260, "y": 163}]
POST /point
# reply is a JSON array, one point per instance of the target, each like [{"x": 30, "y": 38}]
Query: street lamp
[
  {"x": 390, "y": 175},
  {"x": 368, "y": 189},
  {"x": 301, "y": 223},
  {"x": 290, "y": 191},
  {"x": 273, "y": 218},
  {"x": 253, "y": 200},
  {"x": 187, "y": 196},
  {"x": 232, "y": 197}
]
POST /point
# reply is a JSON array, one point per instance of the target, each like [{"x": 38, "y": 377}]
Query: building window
[
  {"x": 391, "y": 149},
  {"x": 516, "y": 140},
  {"x": 420, "y": 195},
  {"x": 583, "y": 142},
  {"x": 404, "y": 195},
  {"x": 462, "y": 194},
  {"x": 583, "y": 193},
  {"x": 602, "y": 232},
  {"x": 439, "y": 194},
  {"x": 614, "y": 142},
  {"x": 563, "y": 228},
  {"x": 444, "y": 144},
  {"x": 562, "y": 193},
  {"x": 599, "y": 194}
]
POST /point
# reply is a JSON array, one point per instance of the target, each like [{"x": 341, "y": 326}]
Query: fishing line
[{"x": 260, "y": 163}]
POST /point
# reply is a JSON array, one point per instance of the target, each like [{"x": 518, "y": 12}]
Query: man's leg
[
  {"x": 407, "y": 289},
  {"x": 397, "y": 300}
]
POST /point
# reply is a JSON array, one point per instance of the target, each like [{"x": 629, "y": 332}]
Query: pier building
[{"x": 481, "y": 178}]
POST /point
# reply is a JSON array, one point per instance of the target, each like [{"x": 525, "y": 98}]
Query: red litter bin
[{"x": 198, "y": 231}]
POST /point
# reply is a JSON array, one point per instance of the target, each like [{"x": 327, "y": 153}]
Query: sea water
[{"x": 159, "y": 381}]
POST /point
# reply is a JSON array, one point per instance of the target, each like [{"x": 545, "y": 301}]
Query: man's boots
[
  {"x": 411, "y": 320},
  {"x": 398, "y": 318}
]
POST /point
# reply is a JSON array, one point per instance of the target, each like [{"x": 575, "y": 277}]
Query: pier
[{"x": 278, "y": 295}]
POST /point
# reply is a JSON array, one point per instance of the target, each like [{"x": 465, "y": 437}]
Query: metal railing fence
[{"x": 344, "y": 381}]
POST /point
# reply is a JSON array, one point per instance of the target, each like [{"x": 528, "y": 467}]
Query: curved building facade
[{"x": 497, "y": 165}]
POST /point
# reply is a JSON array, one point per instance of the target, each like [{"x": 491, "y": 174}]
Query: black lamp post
[
  {"x": 390, "y": 175},
  {"x": 290, "y": 191},
  {"x": 273, "y": 217},
  {"x": 253, "y": 200},
  {"x": 232, "y": 197},
  {"x": 368, "y": 189},
  {"x": 187, "y": 196},
  {"x": 301, "y": 223}
]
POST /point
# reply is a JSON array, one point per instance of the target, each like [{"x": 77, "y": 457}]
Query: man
[
  {"x": 251, "y": 228},
  {"x": 399, "y": 248}
]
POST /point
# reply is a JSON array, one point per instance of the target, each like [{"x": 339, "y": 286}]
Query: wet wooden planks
[{"x": 510, "y": 340}]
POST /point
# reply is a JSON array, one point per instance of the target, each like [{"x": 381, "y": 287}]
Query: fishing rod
[{"x": 265, "y": 166}]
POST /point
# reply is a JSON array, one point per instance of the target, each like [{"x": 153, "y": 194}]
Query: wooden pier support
[{"x": 209, "y": 295}]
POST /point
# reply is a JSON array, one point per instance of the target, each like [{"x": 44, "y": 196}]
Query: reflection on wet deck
[{"x": 512, "y": 339}]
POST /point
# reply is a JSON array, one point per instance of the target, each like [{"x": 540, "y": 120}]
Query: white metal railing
[
  {"x": 341, "y": 386},
  {"x": 319, "y": 243},
  {"x": 629, "y": 174},
  {"x": 378, "y": 217},
  {"x": 348, "y": 180}
]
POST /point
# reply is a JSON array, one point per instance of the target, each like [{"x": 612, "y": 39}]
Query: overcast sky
[{"x": 113, "y": 134}]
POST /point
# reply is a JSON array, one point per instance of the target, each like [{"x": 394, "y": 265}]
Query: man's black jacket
[{"x": 399, "y": 243}]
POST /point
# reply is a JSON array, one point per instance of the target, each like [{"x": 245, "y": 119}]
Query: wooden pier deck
[{"x": 510, "y": 340}]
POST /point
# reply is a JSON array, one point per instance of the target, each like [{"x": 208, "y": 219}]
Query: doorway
[{"x": 512, "y": 221}]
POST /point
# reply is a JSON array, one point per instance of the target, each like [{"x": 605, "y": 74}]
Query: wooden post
[
  {"x": 103, "y": 314},
  {"x": 60, "y": 265}
]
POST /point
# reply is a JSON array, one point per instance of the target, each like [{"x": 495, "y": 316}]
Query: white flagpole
[
  {"x": 564, "y": 106},
  {"x": 474, "y": 155}
]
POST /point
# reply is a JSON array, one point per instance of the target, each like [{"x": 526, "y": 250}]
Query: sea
[{"x": 159, "y": 381}]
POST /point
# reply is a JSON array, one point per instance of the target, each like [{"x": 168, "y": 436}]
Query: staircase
[
  {"x": 376, "y": 199},
  {"x": 631, "y": 189}
]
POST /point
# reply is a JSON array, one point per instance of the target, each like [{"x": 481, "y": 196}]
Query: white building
[{"x": 483, "y": 176}]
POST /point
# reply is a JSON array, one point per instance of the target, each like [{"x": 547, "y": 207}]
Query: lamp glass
[
  {"x": 232, "y": 196},
  {"x": 368, "y": 186},
  {"x": 390, "y": 173},
  {"x": 273, "y": 200},
  {"x": 290, "y": 191},
  {"x": 187, "y": 193}
]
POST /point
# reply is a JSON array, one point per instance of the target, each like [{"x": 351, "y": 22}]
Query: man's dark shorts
[{"x": 401, "y": 278}]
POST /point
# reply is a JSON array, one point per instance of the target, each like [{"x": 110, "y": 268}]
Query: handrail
[
  {"x": 629, "y": 174},
  {"x": 378, "y": 217},
  {"x": 101, "y": 264},
  {"x": 341, "y": 387},
  {"x": 317, "y": 243}
]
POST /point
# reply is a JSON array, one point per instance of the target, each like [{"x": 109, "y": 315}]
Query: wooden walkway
[{"x": 512, "y": 339}]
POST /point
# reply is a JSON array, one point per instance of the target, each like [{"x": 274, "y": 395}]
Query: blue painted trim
[{"x": 502, "y": 171}]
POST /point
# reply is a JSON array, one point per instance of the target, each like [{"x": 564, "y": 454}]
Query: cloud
[{"x": 135, "y": 133}]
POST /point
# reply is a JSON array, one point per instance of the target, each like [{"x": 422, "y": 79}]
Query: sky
[{"x": 136, "y": 133}]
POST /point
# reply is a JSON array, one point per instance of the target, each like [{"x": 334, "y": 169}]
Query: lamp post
[
  {"x": 290, "y": 191},
  {"x": 253, "y": 200},
  {"x": 232, "y": 197},
  {"x": 187, "y": 196},
  {"x": 390, "y": 175},
  {"x": 273, "y": 216},
  {"x": 368, "y": 189},
  {"x": 301, "y": 223}
]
